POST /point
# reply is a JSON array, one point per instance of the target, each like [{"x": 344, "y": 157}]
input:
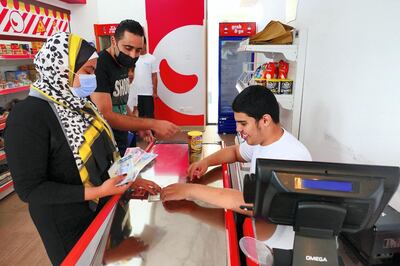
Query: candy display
[
  {"x": 273, "y": 75},
  {"x": 23, "y": 76},
  {"x": 20, "y": 48}
]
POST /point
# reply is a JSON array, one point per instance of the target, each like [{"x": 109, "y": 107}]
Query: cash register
[{"x": 319, "y": 200}]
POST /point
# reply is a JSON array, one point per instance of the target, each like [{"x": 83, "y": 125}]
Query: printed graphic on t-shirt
[{"x": 120, "y": 95}]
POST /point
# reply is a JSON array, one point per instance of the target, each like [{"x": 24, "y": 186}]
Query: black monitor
[{"x": 319, "y": 200}]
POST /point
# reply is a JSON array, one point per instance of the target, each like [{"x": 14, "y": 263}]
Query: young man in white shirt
[
  {"x": 145, "y": 82},
  {"x": 256, "y": 112}
]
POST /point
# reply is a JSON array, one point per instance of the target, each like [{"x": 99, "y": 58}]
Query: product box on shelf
[
  {"x": 286, "y": 86},
  {"x": 273, "y": 85},
  {"x": 22, "y": 77},
  {"x": 10, "y": 76}
]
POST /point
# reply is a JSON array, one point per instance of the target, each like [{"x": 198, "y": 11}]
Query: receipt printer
[{"x": 379, "y": 245}]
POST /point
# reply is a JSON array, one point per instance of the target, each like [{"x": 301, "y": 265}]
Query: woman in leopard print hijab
[{"x": 59, "y": 147}]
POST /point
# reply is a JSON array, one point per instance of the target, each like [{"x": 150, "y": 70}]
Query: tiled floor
[{"x": 20, "y": 243}]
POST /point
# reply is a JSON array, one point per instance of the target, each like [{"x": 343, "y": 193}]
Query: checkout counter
[
  {"x": 139, "y": 232},
  {"x": 143, "y": 233}
]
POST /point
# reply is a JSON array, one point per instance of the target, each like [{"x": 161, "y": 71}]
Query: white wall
[
  {"x": 116, "y": 10},
  {"x": 351, "y": 107},
  {"x": 351, "y": 100}
]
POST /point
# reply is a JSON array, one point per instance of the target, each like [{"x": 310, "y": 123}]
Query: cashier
[{"x": 256, "y": 112}]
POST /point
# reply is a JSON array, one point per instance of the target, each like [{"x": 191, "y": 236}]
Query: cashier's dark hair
[
  {"x": 255, "y": 101},
  {"x": 129, "y": 25}
]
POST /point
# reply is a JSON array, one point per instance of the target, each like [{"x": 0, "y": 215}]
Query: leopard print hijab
[{"x": 60, "y": 57}]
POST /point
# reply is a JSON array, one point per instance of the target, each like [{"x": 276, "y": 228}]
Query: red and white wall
[
  {"x": 176, "y": 36},
  {"x": 177, "y": 40}
]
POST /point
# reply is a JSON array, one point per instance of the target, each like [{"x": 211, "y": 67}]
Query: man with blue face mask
[{"x": 112, "y": 90}]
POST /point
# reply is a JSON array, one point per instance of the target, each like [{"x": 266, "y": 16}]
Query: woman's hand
[{"x": 109, "y": 187}]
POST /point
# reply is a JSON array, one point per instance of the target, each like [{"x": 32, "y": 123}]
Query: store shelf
[
  {"x": 6, "y": 189},
  {"x": 16, "y": 57},
  {"x": 14, "y": 90},
  {"x": 289, "y": 51},
  {"x": 285, "y": 100}
]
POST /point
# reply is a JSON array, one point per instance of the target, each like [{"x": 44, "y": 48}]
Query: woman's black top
[{"x": 46, "y": 177}]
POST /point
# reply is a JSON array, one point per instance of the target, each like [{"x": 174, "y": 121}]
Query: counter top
[
  {"x": 139, "y": 232},
  {"x": 176, "y": 233}
]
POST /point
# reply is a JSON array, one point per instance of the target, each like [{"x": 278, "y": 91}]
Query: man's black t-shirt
[{"x": 113, "y": 79}]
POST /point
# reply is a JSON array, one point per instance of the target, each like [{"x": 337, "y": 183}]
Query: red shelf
[
  {"x": 16, "y": 56},
  {"x": 2, "y": 156},
  {"x": 6, "y": 189},
  {"x": 14, "y": 90}
]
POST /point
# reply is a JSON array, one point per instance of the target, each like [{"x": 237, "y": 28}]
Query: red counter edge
[
  {"x": 248, "y": 230},
  {"x": 77, "y": 251},
  {"x": 230, "y": 225}
]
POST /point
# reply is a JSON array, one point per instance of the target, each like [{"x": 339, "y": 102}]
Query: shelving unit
[
  {"x": 14, "y": 90},
  {"x": 285, "y": 100},
  {"x": 295, "y": 54},
  {"x": 289, "y": 51},
  {"x": 10, "y": 62},
  {"x": 6, "y": 183},
  {"x": 16, "y": 57}
]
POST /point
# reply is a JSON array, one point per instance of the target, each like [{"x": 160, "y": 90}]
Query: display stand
[{"x": 295, "y": 54}]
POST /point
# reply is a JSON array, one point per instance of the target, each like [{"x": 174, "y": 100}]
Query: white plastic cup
[{"x": 256, "y": 251}]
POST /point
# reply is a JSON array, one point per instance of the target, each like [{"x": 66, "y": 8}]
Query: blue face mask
[{"x": 88, "y": 85}]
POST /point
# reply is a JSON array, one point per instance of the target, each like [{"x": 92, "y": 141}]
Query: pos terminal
[{"x": 319, "y": 200}]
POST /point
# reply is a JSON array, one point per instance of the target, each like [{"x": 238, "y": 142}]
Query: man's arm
[
  {"x": 226, "y": 198},
  {"x": 125, "y": 122},
  {"x": 154, "y": 79},
  {"x": 229, "y": 154}
]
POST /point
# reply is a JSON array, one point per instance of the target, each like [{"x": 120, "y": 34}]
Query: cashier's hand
[
  {"x": 164, "y": 129},
  {"x": 147, "y": 185},
  {"x": 197, "y": 169},
  {"x": 178, "y": 191}
]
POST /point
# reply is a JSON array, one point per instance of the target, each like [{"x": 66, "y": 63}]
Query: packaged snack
[
  {"x": 10, "y": 76},
  {"x": 283, "y": 69},
  {"x": 195, "y": 141},
  {"x": 269, "y": 71},
  {"x": 273, "y": 85},
  {"x": 257, "y": 73},
  {"x": 286, "y": 86}
]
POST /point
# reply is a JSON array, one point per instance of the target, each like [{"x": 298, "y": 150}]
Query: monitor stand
[
  {"x": 309, "y": 251},
  {"x": 317, "y": 225}
]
